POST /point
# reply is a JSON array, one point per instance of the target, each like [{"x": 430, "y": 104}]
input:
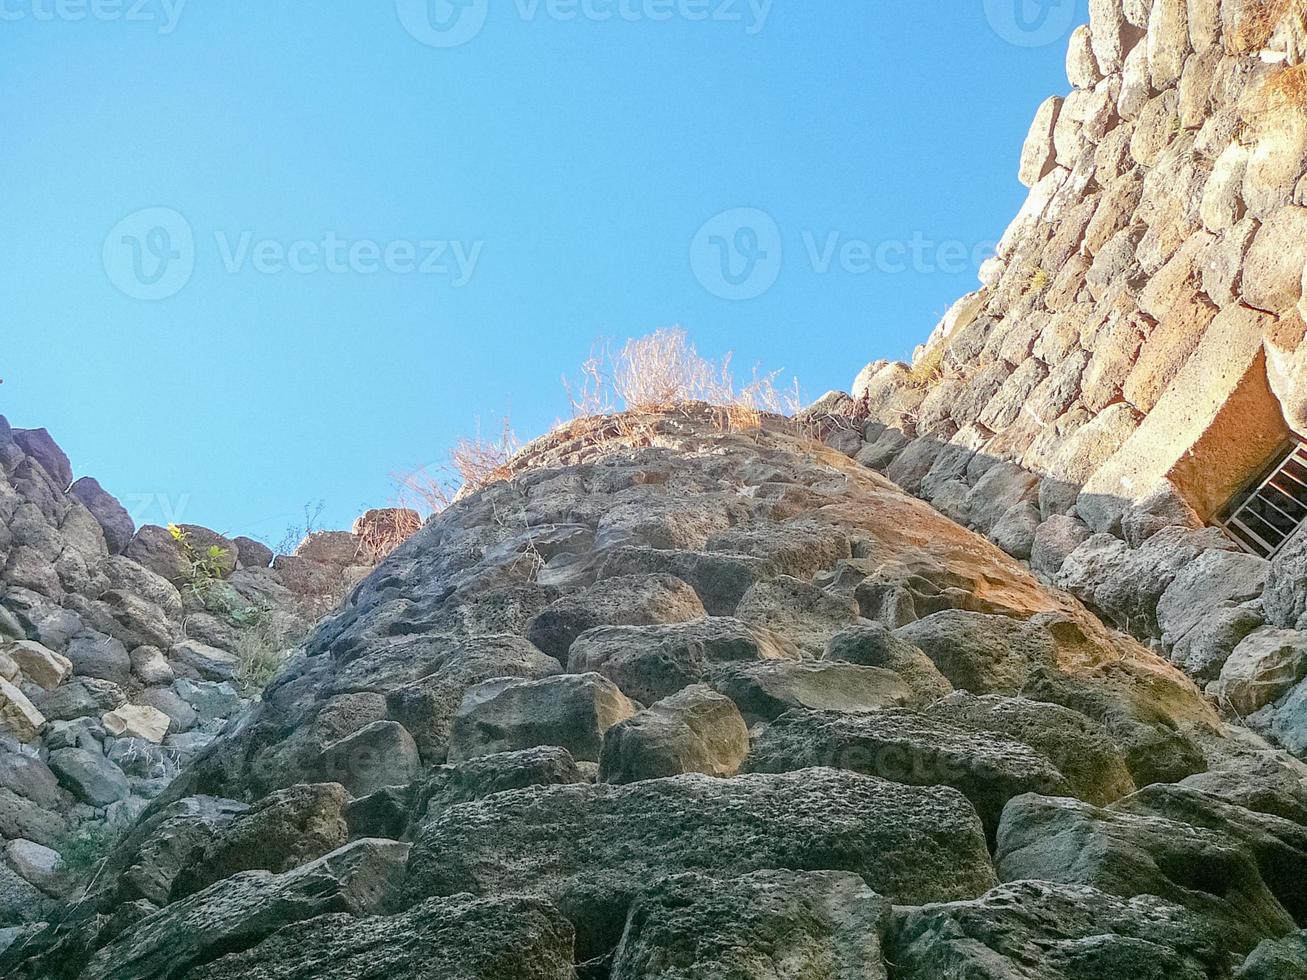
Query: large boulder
[
  {"x": 757, "y": 926},
  {"x": 1128, "y": 855},
  {"x": 1278, "y": 845},
  {"x": 911, "y": 748},
  {"x": 38, "y": 664},
  {"x": 593, "y": 848},
  {"x": 799, "y": 611},
  {"x": 456, "y": 938},
  {"x": 378, "y": 755},
  {"x": 112, "y": 516},
  {"x": 238, "y": 912},
  {"x": 89, "y": 776},
  {"x": 767, "y": 689},
  {"x": 40, "y": 446},
  {"x": 475, "y": 779},
  {"x": 694, "y": 730},
  {"x": 650, "y": 663},
  {"x": 979, "y": 652},
  {"x": 18, "y": 716},
  {"x": 1265, "y": 665},
  {"x": 424, "y": 695},
  {"x": 96, "y": 655},
  {"x": 627, "y": 600},
  {"x": 570, "y": 710},
  {"x": 281, "y": 832},
  {"x": 1277, "y": 959},
  {"x": 873, "y": 645},
  {"x": 1083, "y": 751},
  {"x": 1040, "y": 930}
]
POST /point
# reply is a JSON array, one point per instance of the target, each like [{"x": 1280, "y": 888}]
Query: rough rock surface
[{"x": 423, "y": 713}]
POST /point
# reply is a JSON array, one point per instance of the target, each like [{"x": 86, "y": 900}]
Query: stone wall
[
  {"x": 1135, "y": 353},
  {"x": 1121, "y": 335},
  {"x": 120, "y": 660}
]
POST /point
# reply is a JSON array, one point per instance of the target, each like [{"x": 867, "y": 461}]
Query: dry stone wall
[
  {"x": 1135, "y": 354},
  {"x": 121, "y": 657}
]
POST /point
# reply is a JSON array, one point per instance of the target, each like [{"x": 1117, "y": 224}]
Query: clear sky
[{"x": 262, "y": 252}]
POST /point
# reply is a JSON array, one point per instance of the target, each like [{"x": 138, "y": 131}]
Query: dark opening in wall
[{"x": 1271, "y": 510}]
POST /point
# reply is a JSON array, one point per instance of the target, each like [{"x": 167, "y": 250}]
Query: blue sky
[{"x": 258, "y": 253}]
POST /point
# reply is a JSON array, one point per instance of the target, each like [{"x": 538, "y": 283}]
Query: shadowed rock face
[{"x": 426, "y": 712}]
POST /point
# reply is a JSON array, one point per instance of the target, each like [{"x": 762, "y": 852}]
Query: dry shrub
[
  {"x": 473, "y": 463},
  {"x": 929, "y": 365},
  {"x": 382, "y": 531},
  {"x": 664, "y": 369},
  {"x": 1286, "y": 91},
  {"x": 1254, "y": 22}
]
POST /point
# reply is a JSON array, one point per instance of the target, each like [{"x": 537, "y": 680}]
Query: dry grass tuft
[
  {"x": 382, "y": 531},
  {"x": 1285, "y": 91},
  {"x": 664, "y": 369},
  {"x": 929, "y": 365},
  {"x": 473, "y": 463},
  {"x": 1254, "y": 23},
  {"x": 614, "y": 401}
]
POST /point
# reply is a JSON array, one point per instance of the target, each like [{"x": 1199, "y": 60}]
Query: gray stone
[
  {"x": 1123, "y": 854},
  {"x": 1040, "y": 930},
  {"x": 150, "y": 667},
  {"x": 379, "y": 755},
  {"x": 113, "y": 518},
  {"x": 626, "y": 600},
  {"x": 1285, "y": 598},
  {"x": 89, "y": 776},
  {"x": 456, "y": 938},
  {"x": 694, "y": 730},
  {"x": 1055, "y": 540},
  {"x": 798, "y": 611},
  {"x": 767, "y": 689},
  {"x": 97, "y": 655},
  {"x": 38, "y": 664},
  {"x": 1083, "y": 752},
  {"x": 1277, "y": 959},
  {"x": 650, "y": 663},
  {"x": 79, "y": 697},
  {"x": 242, "y": 910},
  {"x": 910, "y": 748},
  {"x": 181, "y": 716},
  {"x": 208, "y": 663},
  {"x": 760, "y": 925},
  {"x": 591, "y": 849},
  {"x": 38, "y": 444},
  {"x": 283, "y": 831},
  {"x": 873, "y": 645},
  {"x": 1213, "y": 579},
  {"x": 570, "y": 710},
  {"x": 1265, "y": 665},
  {"x": 1204, "y": 649}
]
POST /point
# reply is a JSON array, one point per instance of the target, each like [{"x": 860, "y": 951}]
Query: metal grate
[{"x": 1264, "y": 518}]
